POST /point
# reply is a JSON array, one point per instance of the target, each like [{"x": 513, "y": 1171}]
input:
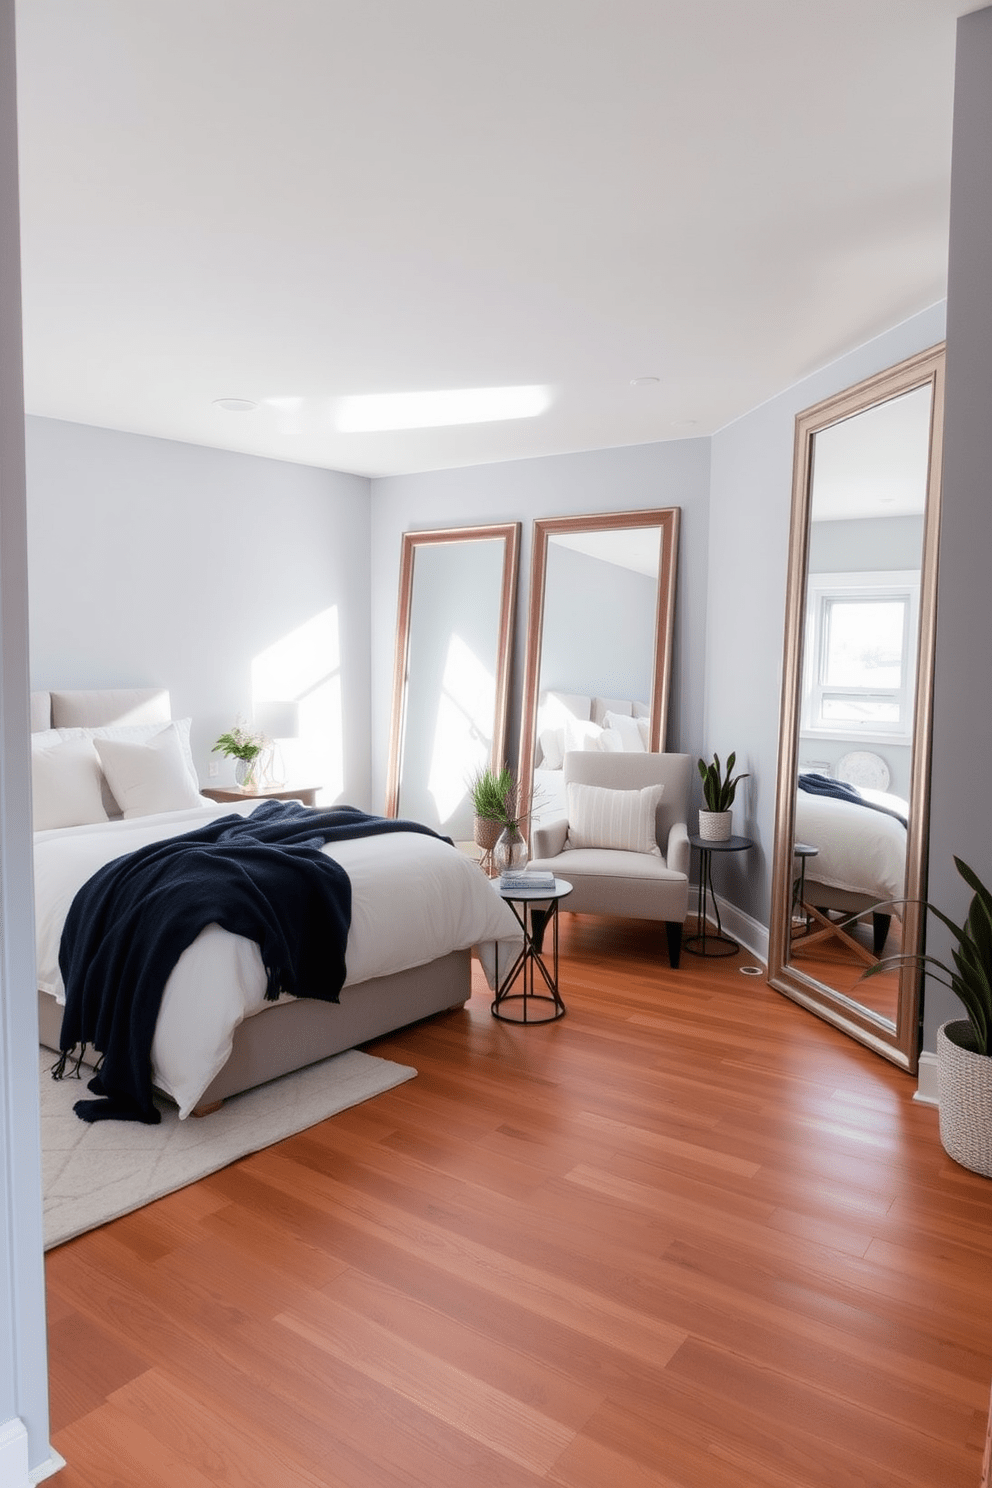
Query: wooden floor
[{"x": 689, "y": 1235}]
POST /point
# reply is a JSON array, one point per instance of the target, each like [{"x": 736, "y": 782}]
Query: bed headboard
[{"x": 94, "y": 709}]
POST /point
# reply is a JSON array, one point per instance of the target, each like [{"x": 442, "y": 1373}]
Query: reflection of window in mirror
[{"x": 861, "y": 655}]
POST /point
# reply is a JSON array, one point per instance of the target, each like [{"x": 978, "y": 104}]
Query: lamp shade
[{"x": 278, "y": 719}]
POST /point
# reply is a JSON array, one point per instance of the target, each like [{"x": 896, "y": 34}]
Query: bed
[
  {"x": 861, "y": 855},
  {"x": 568, "y": 721},
  {"x": 419, "y": 906}
]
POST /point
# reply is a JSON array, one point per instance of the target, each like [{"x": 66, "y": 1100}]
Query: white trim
[
  {"x": 750, "y": 934},
  {"x": 13, "y": 1454},
  {"x": 926, "y": 1089}
]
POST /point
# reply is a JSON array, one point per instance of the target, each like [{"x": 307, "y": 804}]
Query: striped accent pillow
[{"x": 622, "y": 819}]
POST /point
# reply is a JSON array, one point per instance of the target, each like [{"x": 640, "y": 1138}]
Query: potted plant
[
  {"x": 497, "y": 824},
  {"x": 719, "y": 790},
  {"x": 245, "y": 748},
  {"x": 964, "y": 1056}
]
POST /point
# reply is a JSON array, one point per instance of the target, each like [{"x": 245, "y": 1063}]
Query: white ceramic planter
[
  {"x": 714, "y": 826},
  {"x": 964, "y": 1087}
]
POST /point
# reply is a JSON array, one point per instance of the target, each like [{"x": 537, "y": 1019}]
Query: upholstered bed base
[
  {"x": 293, "y": 1034},
  {"x": 844, "y": 901}
]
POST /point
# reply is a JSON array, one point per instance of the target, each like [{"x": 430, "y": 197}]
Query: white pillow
[
  {"x": 137, "y": 733},
  {"x": 65, "y": 783},
  {"x": 627, "y": 731},
  {"x": 148, "y": 778},
  {"x": 610, "y": 742},
  {"x": 552, "y": 748},
  {"x": 644, "y": 729},
  {"x": 580, "y": 734},
  {"x": 622, "y": 819}
]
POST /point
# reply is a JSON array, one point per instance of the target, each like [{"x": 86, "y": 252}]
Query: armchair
[{"x": 618, "y": 881}]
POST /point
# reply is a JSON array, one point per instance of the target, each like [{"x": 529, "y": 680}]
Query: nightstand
[{"x": 305, "y": 793}]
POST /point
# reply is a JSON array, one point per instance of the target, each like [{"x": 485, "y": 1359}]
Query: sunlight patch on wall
[
  {"x": 305, "y": 667},
  {"x": 462, "y": 737}
]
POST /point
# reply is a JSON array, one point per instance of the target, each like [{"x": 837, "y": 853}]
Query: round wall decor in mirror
[{"x": 861, "y": 767}]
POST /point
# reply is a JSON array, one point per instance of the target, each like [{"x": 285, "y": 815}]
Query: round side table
[
  {"x": 536, "y": 911},
  {"x": 703, "y": 943}
]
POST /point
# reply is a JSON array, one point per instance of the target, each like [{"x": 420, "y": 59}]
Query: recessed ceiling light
[
  {"x": 685, "y": 423},
  {"x": 235, "y": 405},
  {"x": 376, "y": 412},
  {"x": 644, "y": 381}
]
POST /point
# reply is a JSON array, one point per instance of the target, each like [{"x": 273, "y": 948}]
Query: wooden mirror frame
[
  {"x": 897, "y": 1042},
  {"x": 667, "y": 520},
  {"x": 509, "y": 532}
]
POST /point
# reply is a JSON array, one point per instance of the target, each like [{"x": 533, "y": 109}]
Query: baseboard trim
[
  {"x": 750, "y": 934},
  {"x": 926, "y": 1088}
]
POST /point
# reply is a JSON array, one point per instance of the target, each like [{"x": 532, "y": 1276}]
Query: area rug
[{"x": 95, "y": 1172}]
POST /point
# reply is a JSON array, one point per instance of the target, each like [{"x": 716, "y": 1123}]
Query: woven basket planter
[
  {"x": 487, "y": 832},
  {"x": 964, "y": 1085},
  {"x": 714, "y": 826}
]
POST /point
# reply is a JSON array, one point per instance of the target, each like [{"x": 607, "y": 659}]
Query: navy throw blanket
[
  {"x": 815, "y": 784},
  {"x": 262, "y": 876}
]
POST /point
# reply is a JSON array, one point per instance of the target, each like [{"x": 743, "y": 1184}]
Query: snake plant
[
  {"x": 719, "y": 786},
  {"x": 971, "y": 976}
]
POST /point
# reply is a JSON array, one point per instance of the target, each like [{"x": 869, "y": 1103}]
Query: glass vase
[
  {"x": 246, "y": 774},
  {"x": 510, "y": 851}
]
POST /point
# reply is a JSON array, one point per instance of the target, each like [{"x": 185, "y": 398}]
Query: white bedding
[
  {"x": 860, "y": 850},
  {"x": 414, "y": 899}
]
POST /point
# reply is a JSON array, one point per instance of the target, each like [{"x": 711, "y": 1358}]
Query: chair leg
[
  {"x": 673, "y": 930},
  {"x": 879, "y": 931}
]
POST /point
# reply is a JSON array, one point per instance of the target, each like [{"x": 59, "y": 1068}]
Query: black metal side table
[
  {"x": 702, "y": 943},
  {"x": 802, "y": 919},
  {"x": 536, "y": 911}
]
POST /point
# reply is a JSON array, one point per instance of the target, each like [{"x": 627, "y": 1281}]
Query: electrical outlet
[{"x": 213, "y": 769}]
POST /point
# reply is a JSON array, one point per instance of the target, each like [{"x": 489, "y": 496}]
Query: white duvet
[
  {"x": 860, "y": 850},
  {"x": 414, "y": 899}
]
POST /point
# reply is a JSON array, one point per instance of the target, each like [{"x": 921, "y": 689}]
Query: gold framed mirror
[
  {"x": 852, "y": 794},
  {"x": 599, "y": 638},
  {"x": 454, "y": 638}
]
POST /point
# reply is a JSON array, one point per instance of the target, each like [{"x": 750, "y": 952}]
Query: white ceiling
[
  {"x": 875, "y": 464},
  {"x": 304, "y": 200}
]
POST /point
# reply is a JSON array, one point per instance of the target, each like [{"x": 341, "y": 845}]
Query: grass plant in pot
[
  {"x": 719, "y": 790},
  {"x": 497, "y": 826},
  {"x": 964, "y": 1055}
]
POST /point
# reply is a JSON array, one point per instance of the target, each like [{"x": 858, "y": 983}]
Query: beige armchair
[{"x": 613, "y": 881}]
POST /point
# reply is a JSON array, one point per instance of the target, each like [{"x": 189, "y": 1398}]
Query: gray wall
[
  {"x": 23, "y": 1362},
  {"x": 865, "y": 546},
  {"x": 165, "y": 564},
  {"x": 599, "y": 622},
  {"x": 750, "y": 510},
  {"x": 649, "y": 475},
  {"x": 960, "y": 822}
]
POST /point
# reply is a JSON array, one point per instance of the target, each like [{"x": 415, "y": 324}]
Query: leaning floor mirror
[
  {"x": 454, "y": 636},
  {"x": 849, "y": 870},
  {"x": 599, "y": 641}
]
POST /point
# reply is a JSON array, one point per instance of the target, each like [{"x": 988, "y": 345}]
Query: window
[{"x": 861, "y": 654}]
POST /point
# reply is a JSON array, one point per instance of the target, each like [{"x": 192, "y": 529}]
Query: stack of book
[{"x": 526, "y": 878}]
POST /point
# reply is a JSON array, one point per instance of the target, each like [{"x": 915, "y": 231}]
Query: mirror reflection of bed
[{"x": 856, "y": 698}]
